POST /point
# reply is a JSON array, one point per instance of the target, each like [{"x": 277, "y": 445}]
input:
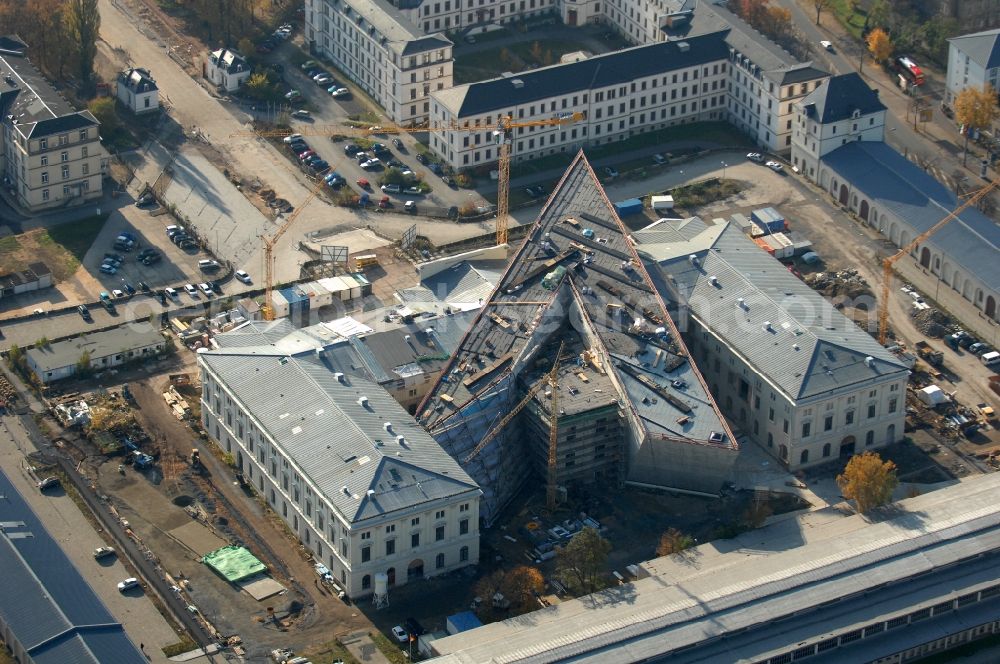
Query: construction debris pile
[
  {"x": 931, "y": 322},
  {"x": 845, "y": 282},
  {"x": 7, "y": 393}
]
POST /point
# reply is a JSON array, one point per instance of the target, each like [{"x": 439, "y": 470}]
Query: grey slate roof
[
  {"x": 46, "y": 604},
  {"x": 335, "y": 442},
  {"x": 808, "y": 349},
  {"x": 99, "y": 344},
  {"x": 397, "y": 32},
  {"x": 839, "y": 96},
  {"x": 230, "y": 60},
  {"x": 137, "y": 80},
  {"x": 596, "y": 72},
  {"x": 776, "y": 63},
  {"x": 891, "y": 181},
  {"x": 983, "y": 48},
  {"x": 37, "y": 108},
  {"x": 781, "y": 587}
]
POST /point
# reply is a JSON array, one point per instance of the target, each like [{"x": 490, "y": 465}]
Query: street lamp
[{"x": 724, "y": 164}]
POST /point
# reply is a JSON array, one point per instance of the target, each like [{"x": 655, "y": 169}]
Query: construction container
[
  {"x": 768, "y": 220},
  {"x": 762, "y": 243},
  {"x": 783, "y": 247},
  {"x": 628, "y": 207},
  {"x": 741, "y": 222},
  {"x": 662, "y": 202}
]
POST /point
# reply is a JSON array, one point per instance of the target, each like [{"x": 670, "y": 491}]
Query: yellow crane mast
[{"x": 887, "y": 263}]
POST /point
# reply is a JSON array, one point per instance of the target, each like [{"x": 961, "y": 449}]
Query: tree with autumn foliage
[
  {"x": 975, "y": 109},
  {"x": 673, "y": 541},
  {"x": 519, "y": 588},
  {"x": 868, "y": 481},
  {"x": 772, "y": 22},
  {"x": 879, "y": 46},
  {"x": 584, "y": 560}
]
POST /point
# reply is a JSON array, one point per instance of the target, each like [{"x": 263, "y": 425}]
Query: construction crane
[
  {"x": 551, "y": 380},
  {"x": 269, "y": 243},
  {"x": 503, "y": 136},
  {"x": 550, "y": 484},
  {"x": 336, "y": 130},
  {"x": 887, "y": 263}
]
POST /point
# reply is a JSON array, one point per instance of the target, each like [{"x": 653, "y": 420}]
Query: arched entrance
[
  {"x": 890, "y": 434},
  {"x": 843, "y": 194},
  {"x": 925, "y": 257},
  {"x": 415, "y": 570},
  {"x": 847, "y": 447},
  {"x": 863, "y": 210},
  {"x": 991, "y": 306},
  {"x": 391, "y": 573}
]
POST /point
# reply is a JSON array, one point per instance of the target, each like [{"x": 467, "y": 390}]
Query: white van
[{"x": 990, "y": 358}]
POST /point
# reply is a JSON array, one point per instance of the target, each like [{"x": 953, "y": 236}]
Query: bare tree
[{"x": 819, "y": 6}]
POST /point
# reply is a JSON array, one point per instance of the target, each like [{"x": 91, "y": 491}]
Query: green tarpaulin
[{"x": 234, "y": 563}]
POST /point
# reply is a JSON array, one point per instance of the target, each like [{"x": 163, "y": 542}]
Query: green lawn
[
  {"x": 76, "y": 237},
  {"x": 853, "y": 22},
  {"x": 515, "y": 58},
  {"x": 9, "y": 243}
]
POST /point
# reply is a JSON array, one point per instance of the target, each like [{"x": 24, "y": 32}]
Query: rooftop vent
[
  {"x": 517, "y": 83},
  {"x": 339, "y": 377},
  {"x": 716, "y": 437},
  {"x": 693, "y": 259},
  {"x": 401, "y": 440},
  {"x": 371, "y": 493},
  {"x": 363, "y": 402},
  {"x": 683, "y": 47},
  {"x": 767, "y": 326},
  {"x": 345, "y": 490},
  {"x": 714, "y": 279},
  {"x": 387, "y": 426},
  {"x": 741, "y": 303},
  {"x": 870, "y": 362}
]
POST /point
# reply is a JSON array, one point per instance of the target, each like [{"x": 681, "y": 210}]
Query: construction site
[{"x": 577, "y": 336}]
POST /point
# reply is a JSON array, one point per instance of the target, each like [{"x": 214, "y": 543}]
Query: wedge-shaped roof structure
[{"x": 577, "y": 268}]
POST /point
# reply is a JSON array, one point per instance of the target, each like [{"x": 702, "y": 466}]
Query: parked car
[
  {"x": 173, "y": 230},
  {"x": 103, "y": 551},
  {"x": 292, "y": 94},
  {"x": 774, "y": 166},
  {"x": 536, "y": 191},
  {"x": 323, "y": 79},
  {"x": 380, "y": 148},
  {"x": 171, "y": 292},
  {"x": 363, "y": 183},
  {"x": 129, "y": 288},
  {"x": 144, "y": 200},
  {"x": 351, "y": 149},
  {"x": 410, "y": 206},
  {"x": 391, "y": 188},
  {"x": 191, "y": 290},
  {"x": 306, "y": 154},
  {"x": 205, "y": 288},
  {"x": 372, "y": 164},
  {"x": 128, "y": 584},
  {"x": 149, "y": 259},
  {"x": 108, "y": 269},
  {"x": 755, "y": 157},
  {"x": 118, "y": 294},
  {"x": 302, "y": 114},
  {"x": 400, "y": 633},
  {"x": 362, "y": 157},
  {"x": 384, "y": 202},
  {"x": 610, "y": 171},
  {"x": 216, "y": 288},
  {"x": 319, "y": 166},
  {"x": 421, "y": 158},
  {"x": 291, "y": 138},
  {"x": 84, "y": 312},
  {"x": 241, "y": 275},
  {"x": 827, "y": 45},
  {"x": 207, "y": 265},
  {"x": 143, "y": 286},
  {"x": 413, "y": 191},
  {"x": 659, "y": 159},
  {"x": 48, "y": 483},
  {"x": 397, "y": 143},
  {"x": 308, "y": 64}
]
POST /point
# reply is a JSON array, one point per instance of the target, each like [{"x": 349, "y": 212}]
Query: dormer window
[{"x": 856, "y": 114}]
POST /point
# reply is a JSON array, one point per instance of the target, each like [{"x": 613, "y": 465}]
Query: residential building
[
  {"x": 471, "y": 17},
  {"x": 730, "y": 73},
  {"x": 918, "y": 579},
  {"x": 49, "y": 614},
  {"x": 364, "y": 487},
  {"x": 227, "y": 69},
  {"x": 843, "y": 108},
  {"x": 632, "y": 406},
  {"x": 788, "y": 369},
  {"x": 383, "y": 52},
  {"x": 973, "y": 62},
  {"x": 137, "y": 90},
  {"x": 50, "y": 154},
  {"x": 97, "y": 350}
]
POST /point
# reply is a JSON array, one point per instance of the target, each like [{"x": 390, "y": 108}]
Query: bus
[{"x": 909, "y": 69}]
